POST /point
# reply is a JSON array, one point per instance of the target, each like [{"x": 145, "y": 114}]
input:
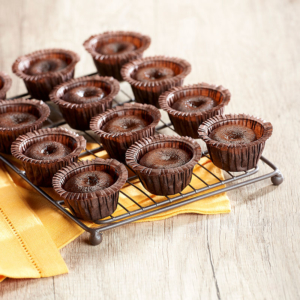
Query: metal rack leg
[
  {"x": 95, "y": 238},
  {"x": 277, "y": 179}
]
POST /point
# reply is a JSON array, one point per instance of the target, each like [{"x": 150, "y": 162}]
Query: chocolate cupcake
[
  {"x": 164, "y": 164},
  {"x": 111, "y": 50},
  {"x": 151, "y": 76},
  {"x": 43, "y": 70},
  {"x": 18, "y": 117},
  {"x": 122, "y": 126},
  {"x": 189, "y": 106},
  {"x": 45, "y": 151},
  {"x": 5, "y": 84},
  {"x": 81, "y": 99},
  {"x": 91, "y": 188},
  {"x": 235, "y": 142}
]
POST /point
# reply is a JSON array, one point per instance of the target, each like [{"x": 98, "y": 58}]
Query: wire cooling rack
[{"x": 128, "y": 214}]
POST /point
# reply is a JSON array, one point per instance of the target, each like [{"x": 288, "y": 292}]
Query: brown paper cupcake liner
[
  {"x": 5, "y": 84},
  {"x": 40, "y": 172},
  {"x": 94, "y": 205},
  {"x": 10, "y": 134},
  {"x": 187, "y": 123},
  {"x": 236, "y": 157},
  {"x": 78, "y": 116},
  {"x": 39, "y": 86},
  {"x": 163, "y": 181},
  {"x": 149, "y": 92},
  {"x": 116, "y": 144},
  {"x": 110, "y": 65}
]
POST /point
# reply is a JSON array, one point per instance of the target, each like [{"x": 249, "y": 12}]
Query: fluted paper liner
[
  {"x": 39, "y": 86},
  {"x": 9, "y": 134},
  {"x": 236, "y": 157},
  {"x": 149, "y": 92},
  {"x": 116, "y": 144},
  {"x": 78, "y": 116},
  {"x": 5, "y": 84},
  {"x": 40, "y": 172},
  {"x": 94, "y": 205},
  {"x": 187, "y": 123},
  {"x": 163, "y": 181},
  {"x": 110, "y": 65}
]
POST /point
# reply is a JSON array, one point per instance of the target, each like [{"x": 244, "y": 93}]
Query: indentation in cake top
[
  {"x": 15, "y": 119},
  {"x": 233, "y": 134},
  {"x": 194, "y": 104},
  {"x": 46, "y": 65},
  {"x": 147, "y": 74},
  {"x": 47, "y": 150},
  {"x": 114, "y": 48},
  {"x": 84, "y": 94},
  {"x": 165, "y": 158},
  {"x": 89, "y": 181}
]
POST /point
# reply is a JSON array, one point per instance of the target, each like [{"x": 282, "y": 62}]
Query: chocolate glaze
[
  {"x": 89, "y": 181},
  {"x": 127, "y": 123},
  {"x": 14, "y": 119},
  {"x": 47, "y": 150},
  {"x": 194, "y": 104},
  {"x": 147, "y": 74},
  {"x": 84, "y": 94},
  {"x": 46, "y": 65},
  {"x": 233, "y": 134},
  {"x": 165, "y": 158},
  {"x": 116, "y": 48}
]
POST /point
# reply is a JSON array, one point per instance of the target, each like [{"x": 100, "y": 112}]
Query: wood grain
[{"x": 252, "y": 48}]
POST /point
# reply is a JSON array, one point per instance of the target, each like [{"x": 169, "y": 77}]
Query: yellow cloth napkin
[{"x": 32, "y": 229}]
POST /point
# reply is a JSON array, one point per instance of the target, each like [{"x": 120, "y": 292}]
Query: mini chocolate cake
[
  {"x": 91, "y": 188},
  {"x": 165, "y": 158},
  {"x": 5, "y": 84},
  {"x": 189, "y": 106},
  {"x": 122, "y": 126},
  {"x": 151, "y": 76},
  {"x": 111, "y": 50},
  {"x": 164, "y": 164},
  {"x": 83, "y": 98},
  {"x": 235, "y": 142},
  {"x": 18, "y": 117},
  {"x": 46, "y": 151},
  {"x": 43, "y": 70}
]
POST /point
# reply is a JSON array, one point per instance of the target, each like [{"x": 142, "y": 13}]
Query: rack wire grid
[{"x": 232, "y": 181}]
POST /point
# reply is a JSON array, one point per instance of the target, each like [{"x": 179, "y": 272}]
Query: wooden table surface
[{"x": 252, "y": 48}]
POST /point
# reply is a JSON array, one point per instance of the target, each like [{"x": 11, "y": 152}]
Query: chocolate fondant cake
[
  {"x": 165, "y": 158},
  {"x": 16, "y": 118},
  {"x": 83, "y": 98},
  {"x": 122, "y": 126},
  {"x": 154, "y": 74},
  {"x": 111, "y": 50},
  {"x": 164, "y": 164},
  {"x": 5, "y": 84},
  {"x": 233, "y": 134},
  {"x": 151, "y": 76},
  {"x": 125, "y": 123},
  {"x": 189, "y": 106},
  {"x": 43, "y": 70},
  {"x": 47, "y": 150},
  {"x": 235, "y": 142},
  {"x": 91, "y": 188}
]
